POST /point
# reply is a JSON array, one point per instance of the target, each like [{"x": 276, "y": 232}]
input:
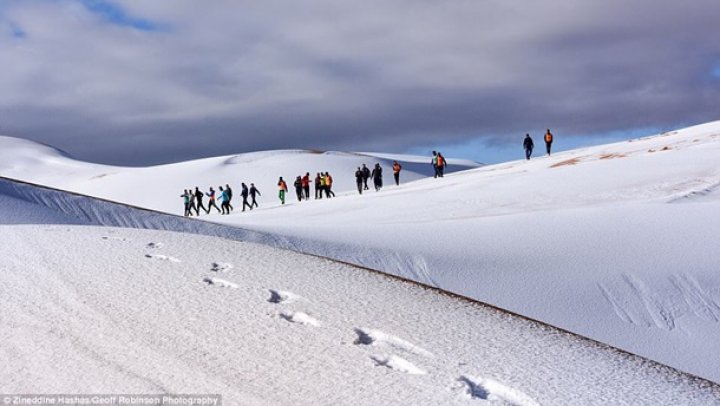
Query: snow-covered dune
[
  {"x": 615, "y": 242},
  {"x": 90, "y": 309},
  {"x": 159, "y": 187}
]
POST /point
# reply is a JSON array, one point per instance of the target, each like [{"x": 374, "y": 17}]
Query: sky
[{"x": 145, "y": 82}]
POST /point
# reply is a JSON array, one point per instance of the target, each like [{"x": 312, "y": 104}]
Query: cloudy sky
[{"x": 141, "y": 82}]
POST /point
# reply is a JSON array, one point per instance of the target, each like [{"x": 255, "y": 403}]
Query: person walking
[
  {"x": 366, "y": 176},
  {"x": 224, "y": 201},
  {"x": 244, "y": 193},
  {"x": 441, "y": 164},
  {"x": 186, "y": 201},
  {"x": 306, "y": 185},
  {"x": 254, "y": 191},
  {"x": 434, "y": 163},
  {"x": 323, "y": 185},
  {"x": 548, "y": 141},
  {"x": 282, "y": 189},
  {"x": 377, "y": 177},
  {"x": 396, "y": 172},
  {"x": 229, "y": 196},
  {"x": 328, "y": 185},
  {"x": 199, "y": 199},
  {"x": 359, "y": 178},
  {"x": 528, "y": 145},
  {"x": 318, "y": 186},
  {"x": 192, "y": 202},
  {"x": 298, "y": 188},
  {"x": 211, "y": 200}
]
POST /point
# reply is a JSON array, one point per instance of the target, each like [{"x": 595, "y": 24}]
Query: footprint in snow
[
  {"x": 399, "y": 364},
  {"x": 221, "y": 266},
  {"x": 221, "y": 283},
  {"x": 379, "y": 338},
  {"x": 490, "y": 389},
  {"x": 162, "y": 257},
  {"x": 123, "y": 239},
  {"x": 300, "y": 318},
  {"x": 154, "y": 245},
  {"x": 282, "y": 296}
]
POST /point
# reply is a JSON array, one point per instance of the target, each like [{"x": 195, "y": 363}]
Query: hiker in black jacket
[
  {"x": 253, "y": 192},
  {"x": 199, "y": 198},
  {"x": 244, "y": 193},
  {"x": 298, "y": 188},
  {"x": 377, "y": 177},
  {"x": 229, "y": 196},
  {"x": 366, "y": 176},
  {"x": 528, "y": 145},
  {"x": 359, "y": 178}
]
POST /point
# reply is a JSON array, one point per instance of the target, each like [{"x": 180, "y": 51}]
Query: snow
[
  {"x": 616, "y": 243},
  {"x": 85, "y": 311}
]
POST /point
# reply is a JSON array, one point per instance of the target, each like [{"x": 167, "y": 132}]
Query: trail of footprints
[{"x": 472, "y": 387}]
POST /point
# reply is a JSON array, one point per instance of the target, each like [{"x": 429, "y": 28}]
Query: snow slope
[
  {"x": 90, "y": 309},
  {"x": 615, "y": 242},
  {"x": 159, "y": 187}
]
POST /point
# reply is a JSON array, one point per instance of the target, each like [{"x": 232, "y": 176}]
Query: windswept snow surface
[
  {"x": 84, "y": 310},
  {"x": 615, "y": 242}
]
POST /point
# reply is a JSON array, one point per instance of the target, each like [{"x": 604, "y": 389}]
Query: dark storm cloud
[{"x": 130, "y": 82}]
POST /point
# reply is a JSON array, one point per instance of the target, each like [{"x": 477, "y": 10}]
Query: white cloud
[{"x": 355, "y": 75}]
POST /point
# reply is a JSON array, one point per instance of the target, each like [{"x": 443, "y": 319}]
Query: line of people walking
[
  {"x": 528, "y": 144},
  {"x": 193, "y": 200},
  {"x": 323, "y": 186}
]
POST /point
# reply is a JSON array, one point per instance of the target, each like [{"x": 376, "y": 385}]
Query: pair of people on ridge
[
  {"x": 528, "y": 144},
  {"x": 252, "y": 192},
  {"x": 438, "y": 163}
]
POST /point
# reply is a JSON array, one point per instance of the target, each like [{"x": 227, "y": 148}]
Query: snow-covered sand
[
  {"x": 99, "y": 309},
  {"x": 615, "y": 242}
]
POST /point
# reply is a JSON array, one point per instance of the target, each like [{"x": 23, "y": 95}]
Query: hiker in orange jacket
[
  {"x": 396, "y": 172},
  {"x": 282, "y": 186},
  {"x": 328, "y": 185},
  {"x": 548, "y": 141}
]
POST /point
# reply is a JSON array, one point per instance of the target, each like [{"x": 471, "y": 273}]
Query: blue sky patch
[
  {"x": 115, "y": 14},
  {"x": 17, "y": 32},
  {"x": 716, "y": 71}
]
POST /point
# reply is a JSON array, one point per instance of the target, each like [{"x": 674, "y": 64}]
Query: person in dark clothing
[
  {"x": 199, "y": 199},
  {"x": 528, "y": 145},
  {"x": 306, "y": 185},
  {"x": 548, "y": 141},
  {"x": 229, "y": 196},
  {"x": 359, "y": 178},
  {"x": 396, "y": 172},
  {"x": 253, "y": 191},
  {"x": 318, "y": 186},
  {"x": 366, "y": 176},
  {"x": 377, "y": 177},
  {"x": 244, "y": 193},
  {"x": 298, "y": 188},
  {"x": 211, "y": 201},
  {"x": 192, "y": 202}
]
